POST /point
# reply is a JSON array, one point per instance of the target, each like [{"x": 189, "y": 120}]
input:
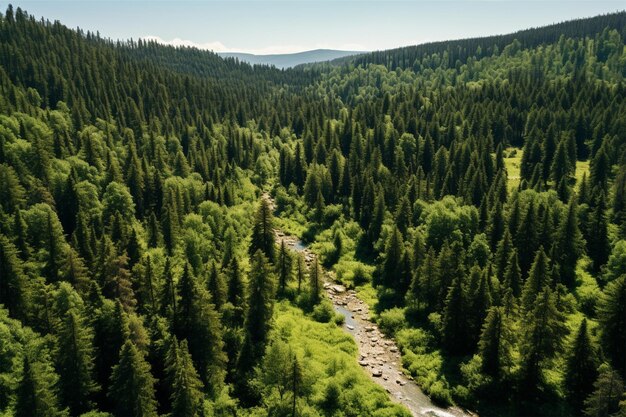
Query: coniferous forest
[{"x": 472, "y": 193}]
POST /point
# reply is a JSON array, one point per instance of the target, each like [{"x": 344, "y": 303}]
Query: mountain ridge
[{"x": 291, "y": 59}]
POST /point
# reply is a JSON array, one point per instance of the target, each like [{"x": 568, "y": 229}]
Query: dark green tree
[
  {"x": 581, "y": 368},
  {"x": 263, "y": 238},
  {"x": 132, "y": 384}
]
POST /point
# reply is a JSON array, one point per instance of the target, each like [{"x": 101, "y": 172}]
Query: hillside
[
  {"x": 461, "y": 49},
  {"x": 283, "y": 61},
  {"x": 470, "y": 202}
]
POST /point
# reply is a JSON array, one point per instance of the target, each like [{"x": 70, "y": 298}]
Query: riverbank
[{"x": 378, "y": 355}]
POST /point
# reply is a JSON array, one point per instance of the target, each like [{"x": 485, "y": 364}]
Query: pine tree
[
  {"x": 607, "y": 390},
  {"x": 75, "y": 358},
  {"x": 538, "y": 279},
  {"x": 598, "y": 246},
  {"x": 543, "y": 333},
  {"x": 260, "y": 309},
  {"x": 527, "y": 238},
  {"x": 185, "y": 385},
  {"x": 611, "y": 312},
  {"x": 263, "y": 232},
  {"x": 513, "y": 275},
  {"x": 315, "y": 282},
  {"x": 494, "y": 344},
  {"x": 581, "y": 369},
  {"x": 12, "y": 279},
  {"x": 503, "y": 253},
  {"x": 284, "y": 269},
  {"x": 216, "y": 286},
  {"x": 568, "y": 245},
  {"x": 36, "y": 394},
  {"x": 455, "y": 325},
  {"x": 197, "y": 321},
  {"x": 132, "y": 385},
  {"x": 392, "y": 265}
]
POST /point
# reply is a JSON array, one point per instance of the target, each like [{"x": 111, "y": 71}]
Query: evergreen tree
[
  {"x": 455, "y": 325},
  {"x": 260, "y": 309},
  {"x": 36, "y": 394},
  {"x": 216, "y": 286},
  {"x": 284, "y": 268},
  {"x": 12, "y": 279},
  {"x": 598, "y": 246},
  {"x": 513, "y": 275},
  {"x": 75, "y": 358},
  {"x": 612, "y": 318},
  {"x": 197, "y": 321},
  {"x": 607, "y": 390},
  {"x": 581, "y": 368},
  {"x": 315, "y": 282},
  {"x": 132, "y": 384},
  {"x": 538, "y": 279},
  {"x": 494, "y": 345},
  {"x": 185, "y": 385},
  {"x": 263, "y": 232},
  {"x": 543, "y": 332},
  {"x": 568, "y": 245}
]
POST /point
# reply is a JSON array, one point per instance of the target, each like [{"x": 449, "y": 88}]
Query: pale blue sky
[{"x": 296, "y": 25}]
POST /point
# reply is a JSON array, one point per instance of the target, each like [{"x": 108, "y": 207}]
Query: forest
[{"x": 472, "y": 193}]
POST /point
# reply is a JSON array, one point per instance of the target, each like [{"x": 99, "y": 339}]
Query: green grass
[
  {"x": 327, "y": 355},
  {"x": 512, "y": 165}
]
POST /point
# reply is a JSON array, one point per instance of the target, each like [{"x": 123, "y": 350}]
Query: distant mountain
[{"x": 290, "y": 60}]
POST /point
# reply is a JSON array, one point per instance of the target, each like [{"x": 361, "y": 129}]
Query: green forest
[{"x": 472, "y": 193}]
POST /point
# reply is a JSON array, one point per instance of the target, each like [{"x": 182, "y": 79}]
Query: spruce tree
[
  {"x": 197, "y": 321},
  {"x": 284, "y": 269},
  {"x": 132, "y": 385},
  {"x": 607, "y": 390},
  {"x": 581, "y": 367},
  {"x": 261, "y": 289},
  {"x": 568, "y": 245},
  {"x": 75, "y": 359},
  {"x": 12, "y": 279},
  {"x": 538, "y": 279},
  {"x": 543, "y": 332},
  {"x": 36, "y": 393},
  {"x": 216, "y": 286},
  {"x": 185, "y": 385},
  {"x": 611, "y": 312},
  {"x": 315, "y": 282},
  {"x": 455, "y": 325},
  {"x": 263, "y": 232},
  {"x": 494, "y": 344}
]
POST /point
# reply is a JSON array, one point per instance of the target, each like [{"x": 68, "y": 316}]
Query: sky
[{"x": 286, "y": 26}]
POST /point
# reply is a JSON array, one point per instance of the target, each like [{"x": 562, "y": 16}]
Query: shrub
[
  {"x": 392, "y": 320},
  {"x": 323, "y": 312}
]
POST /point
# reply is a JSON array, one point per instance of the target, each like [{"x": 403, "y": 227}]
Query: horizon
[{"x": 289, "y": 27}]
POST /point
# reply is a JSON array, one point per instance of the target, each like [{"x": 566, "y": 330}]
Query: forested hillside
[{"x": 472, "y": 193}]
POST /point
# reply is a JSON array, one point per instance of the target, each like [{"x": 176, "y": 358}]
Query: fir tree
[
  {"x": 607, "y": 390},
  {"x": 568, "y": 245},
  {"x": 185, "y": 385},
  {"x": 36, "y": 394},
  {"x": 132, "y": 384},
  {"x": 494, "y": 345},
  {"x": 581, "y": 369},
  {"x": 263, "y": 232},
  {"x": 75, "y": 358}
]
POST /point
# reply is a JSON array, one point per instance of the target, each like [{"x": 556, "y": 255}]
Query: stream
[{"x": 378, "y": 355}]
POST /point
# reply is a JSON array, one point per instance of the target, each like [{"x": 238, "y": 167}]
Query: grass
[
  {"x": 513, "y": 163},
  {"x": 327, "y": 355}
]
